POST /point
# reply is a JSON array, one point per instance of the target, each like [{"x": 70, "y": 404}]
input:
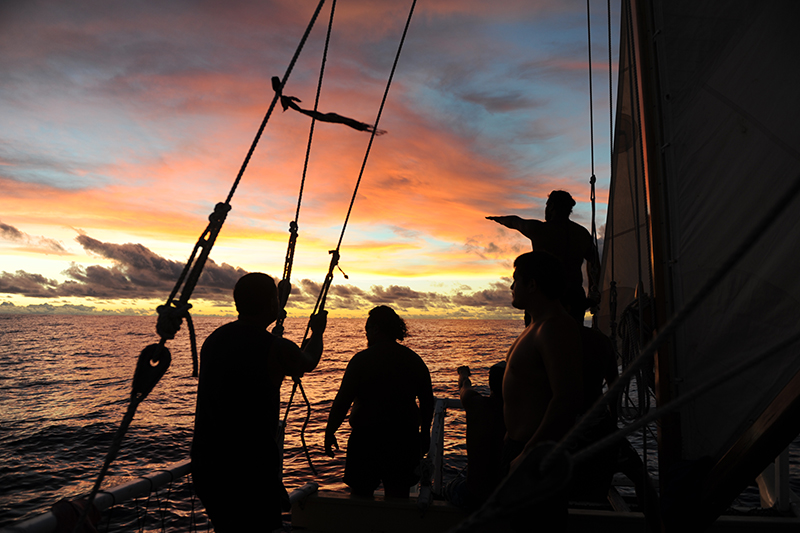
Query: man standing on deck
[
  {"x": 543, "y": 384},
  {"x": 236, "y": 462},
  {"x": 568, "y": 241}
]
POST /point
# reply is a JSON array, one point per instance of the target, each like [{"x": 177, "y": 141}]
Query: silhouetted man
[
  {"x": 568, "y": 241},
  {"x": 390, "y": 432},
  {"x": 543, "y": 382},
  {"x": 236, "y": 463}
]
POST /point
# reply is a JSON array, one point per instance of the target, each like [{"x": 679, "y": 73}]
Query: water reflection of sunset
[{"x": 67, "y": 381}]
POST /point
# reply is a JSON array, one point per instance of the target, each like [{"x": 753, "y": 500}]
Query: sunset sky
[{"x": 123, "y": 123}]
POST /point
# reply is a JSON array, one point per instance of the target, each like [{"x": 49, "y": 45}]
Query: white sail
[{"x": 719, "y": 111}]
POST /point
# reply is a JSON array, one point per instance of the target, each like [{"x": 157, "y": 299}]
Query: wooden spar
[
  {"x": 46, "y": 523},
  {"x": 764, "y": 440},
  {"x": 651, "y": 135}
]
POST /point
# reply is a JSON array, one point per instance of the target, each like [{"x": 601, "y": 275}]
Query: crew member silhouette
[
  {"x": 236, "y": 463},
  {"x": 389, "y": 431},
  {"x": 568, "y": 241},
  {"x": 542, "y": 386}
]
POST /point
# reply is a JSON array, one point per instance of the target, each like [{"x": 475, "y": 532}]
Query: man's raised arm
[
  {"x": 531, "y": 228},
  {"x": 297, "y": 361}
]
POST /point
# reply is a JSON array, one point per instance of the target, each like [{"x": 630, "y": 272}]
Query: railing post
[{"x": 437, "y": 441}]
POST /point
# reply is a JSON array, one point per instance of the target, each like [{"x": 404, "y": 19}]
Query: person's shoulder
[
  {"x": 578, "y": 229},
  {"x": 360, "y": 358},
  {"x": 222, "y": 333},
  {"x": 559, "y": 325},
  {"x": 596, "y": 339},
  {"x": 411, "y": 354},
  {"x": 472, "y": 399}
]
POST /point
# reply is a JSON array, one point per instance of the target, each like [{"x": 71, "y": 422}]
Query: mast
[{"x": 647, "y": 83}]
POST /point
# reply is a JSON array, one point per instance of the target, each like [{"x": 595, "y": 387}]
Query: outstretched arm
[
  {"x": 509, "y": 221},
  {"x": 531, "y": 228},
  {"x": 312, "y": 349}
]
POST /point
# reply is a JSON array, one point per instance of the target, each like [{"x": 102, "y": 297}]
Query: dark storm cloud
[
  {"x": 497, "y": 296},
  {"x": 42, "y": 244},
  {"x": 34, "y": 285},
  {"x": 500, "y": 102},
  {"x": 399, "y": 297},
  {"x": 137, "y": 272},
  {"x": 51, "y": 309}
]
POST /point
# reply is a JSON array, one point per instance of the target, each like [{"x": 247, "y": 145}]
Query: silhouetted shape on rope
[{"x": 334, "y": 118}]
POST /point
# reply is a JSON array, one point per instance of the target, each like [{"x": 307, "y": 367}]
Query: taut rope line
[
  {"x": 320, "y": 304},
  {"x": 284, "y": 287},
  {"x": 155, "y": 359}
]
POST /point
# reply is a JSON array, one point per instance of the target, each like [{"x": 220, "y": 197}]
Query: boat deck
[{"x": 333, "y": 512}]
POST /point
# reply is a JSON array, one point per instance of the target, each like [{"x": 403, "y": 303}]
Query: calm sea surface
[{"x": 65, "y": 382}]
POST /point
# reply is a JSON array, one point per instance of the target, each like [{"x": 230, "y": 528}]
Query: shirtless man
[
  {"x": 543, "y": 382},
  {"x": 568, "y": 241}
]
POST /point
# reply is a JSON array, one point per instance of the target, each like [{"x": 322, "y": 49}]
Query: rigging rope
[
  {"x": 594, "y": 266},
  {"x": 155, "y": 359},
  {"x": 284, "y": 286},
  {"x": 335, "y": 254},
  {"x": 712, "y": 383},
  {"x": 320, "y": 305},
  {"x": 612, "y": 294}
]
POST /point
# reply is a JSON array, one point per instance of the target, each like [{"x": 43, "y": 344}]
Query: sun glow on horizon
[{"x": 112, "y": 156}]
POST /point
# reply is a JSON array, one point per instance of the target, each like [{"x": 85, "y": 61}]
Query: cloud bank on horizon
[{"x": 128, "y": 121}]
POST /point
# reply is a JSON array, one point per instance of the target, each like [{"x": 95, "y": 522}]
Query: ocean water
[{"x": 65, "y": 382}]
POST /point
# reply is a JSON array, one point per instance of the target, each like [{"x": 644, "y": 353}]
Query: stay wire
[
  {"x": 320, "y": 305},
  {"x": 275, "y": 100},
  {"x": 284, "y": 287},
  {"x": 377, "y": 121},
  {"x": 335, "y": 255},
  {"x": 591, "y": 96},
  {"x": 593, "y": 179}
]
